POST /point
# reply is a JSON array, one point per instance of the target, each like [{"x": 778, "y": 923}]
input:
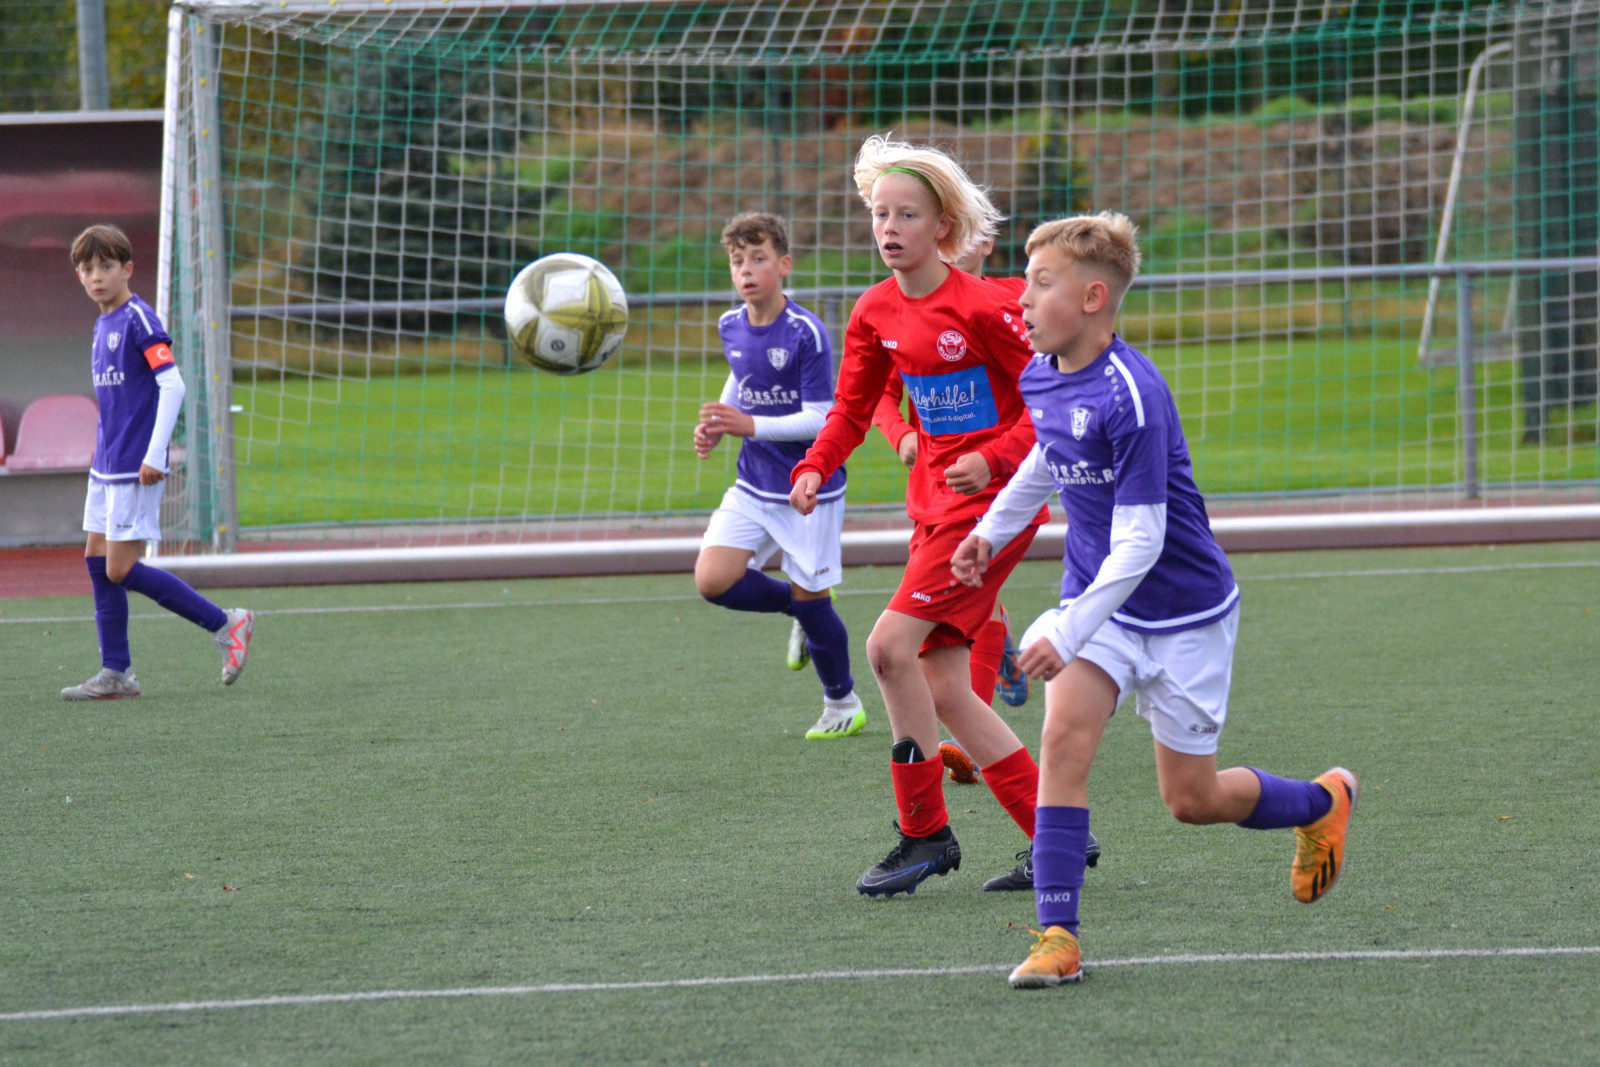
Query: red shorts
[{"x": 929, "y": 591}]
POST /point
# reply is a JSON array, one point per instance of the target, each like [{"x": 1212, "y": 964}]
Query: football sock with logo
[
  {"x": 110, "y": 616},
  {"x": 1014, "y": 781},
  {"x": 1059, "y": 848},
  {"x": 754, "y": 591},
  {"x": 987, "y": 649},
  {"x": 1287, "y": 802},
  {"x": 174, "y": 594},
  {"x": 918, "y": 789},
  {"x": 829, "y": 644}
]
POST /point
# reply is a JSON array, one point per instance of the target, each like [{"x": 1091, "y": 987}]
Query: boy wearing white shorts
[
  {"x": 1149, "y": 603},
  {"x": 139, "y": 390},
  {"x": 778, "y": 392}
]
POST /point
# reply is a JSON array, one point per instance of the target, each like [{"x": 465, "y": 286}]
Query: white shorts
[
  {"x": 1181, "y": 679},
  {"x": 124, "y": 511},
  {"x": 810, "y": 543}
]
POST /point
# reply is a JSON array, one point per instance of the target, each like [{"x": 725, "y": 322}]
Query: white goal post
[{"x": 348, "y": 187}]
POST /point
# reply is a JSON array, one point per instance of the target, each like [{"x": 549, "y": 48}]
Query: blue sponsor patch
[{"x": 958, "y": 402}]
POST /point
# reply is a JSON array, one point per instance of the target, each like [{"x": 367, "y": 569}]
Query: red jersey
[{"x": 959, "y": 351}]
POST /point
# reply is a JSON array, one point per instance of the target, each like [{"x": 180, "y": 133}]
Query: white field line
[
  {"x": 1220, "y": 959},
  {"x": 689, "y": 597}
]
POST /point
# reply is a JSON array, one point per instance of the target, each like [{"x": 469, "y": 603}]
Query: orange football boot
[
  {"x": 1319, "y": 848},
  {"x": 1054, "y": 960}
]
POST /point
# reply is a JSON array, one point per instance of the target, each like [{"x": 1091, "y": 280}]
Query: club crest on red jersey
[{"x": 952, "y": 346}]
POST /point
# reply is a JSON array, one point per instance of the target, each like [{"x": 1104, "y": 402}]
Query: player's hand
[
  {"x": 1040, "y": 660},
  {"x": 968, "y": 474},
  {"x": 803, "y": 497},
  {"x": 725, "y": 418},
  {"x": 704, "y": 441},
  {"x": 148, "y": 475},
  {"x": 971, "y": 561},
  {"x": 907, "y": 448}
]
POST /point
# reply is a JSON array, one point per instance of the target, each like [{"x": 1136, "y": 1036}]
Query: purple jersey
[
  {"x": 130, "y": 348},
  {"x": 778, "y": 368},
  {"x": 1111, "y": 435}
]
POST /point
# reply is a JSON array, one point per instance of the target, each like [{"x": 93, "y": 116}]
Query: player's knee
[
  {"x": 117, "y": 569},
  {"x": 711, "y": 583},
  {"x": 1064, "y": 751},
  {"x": 710, "y": 586},
  {"x": 887, "y": 658},
  {"x": 1191, "y": 809}
]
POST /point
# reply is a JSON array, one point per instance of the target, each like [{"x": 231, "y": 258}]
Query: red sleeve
[
  {"x": 863, "y": 372},
  {"x": 886, "y": 417},
  {"x": 1010, "y": 355}
]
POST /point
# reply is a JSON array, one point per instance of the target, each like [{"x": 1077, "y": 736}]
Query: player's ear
[
  {"x": 1095, "y": 297},
  {"x": 785, "y": 265}
]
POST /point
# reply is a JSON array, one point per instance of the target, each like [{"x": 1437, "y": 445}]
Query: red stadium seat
[{"x": 57, "y": 433}]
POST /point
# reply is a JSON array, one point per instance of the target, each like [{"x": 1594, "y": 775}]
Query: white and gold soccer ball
[{"x": 566, "y": 313}]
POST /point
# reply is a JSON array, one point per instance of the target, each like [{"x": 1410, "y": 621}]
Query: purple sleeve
[
  {"x": 816, "y": 364},
  {"x": 1139, "y": 454}
]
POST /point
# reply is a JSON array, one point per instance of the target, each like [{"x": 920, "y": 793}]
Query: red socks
[
  {"x": 987, "y": 649},
  {"x": 1014, "y": 780},
  {"x": 919, "y": 794}
]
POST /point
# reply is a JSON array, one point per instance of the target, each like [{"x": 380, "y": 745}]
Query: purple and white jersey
[
  {"x": 131, "y": 347},
  {"x": 1111, "y": 436},
  {"x": 777, "y": 369}
]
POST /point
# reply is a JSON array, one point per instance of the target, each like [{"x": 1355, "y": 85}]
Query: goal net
[{"x": 1368, "y": 232}]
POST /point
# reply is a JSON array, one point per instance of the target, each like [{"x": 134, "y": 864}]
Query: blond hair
[
  {"x": 973, "y": 216},
  {"x": 1105, "y": 242}
]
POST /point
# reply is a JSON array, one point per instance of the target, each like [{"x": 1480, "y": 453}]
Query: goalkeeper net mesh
[{"x": 353, "y": 184}]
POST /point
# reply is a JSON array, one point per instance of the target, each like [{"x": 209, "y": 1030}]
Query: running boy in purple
[
  {"x": 139, "y": 390},
  {"x": 778, "y": 393},
  {"x": 1148, "y": 602}
]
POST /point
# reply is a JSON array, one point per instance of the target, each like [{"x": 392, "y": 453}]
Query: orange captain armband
[{"x": 158, "y": 356}]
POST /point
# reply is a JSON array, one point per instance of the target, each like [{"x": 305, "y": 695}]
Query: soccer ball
[{"x": 566, "y": 314}]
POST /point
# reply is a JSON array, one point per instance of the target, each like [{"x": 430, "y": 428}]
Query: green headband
[{"x": 923, "y": 178}]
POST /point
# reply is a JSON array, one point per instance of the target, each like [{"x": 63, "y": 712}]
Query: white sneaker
[
  {"x": 233, "y": 641},
  {"x": 107, "y": 685},
  {"x": 799, "y": 654},
  {"x": 840, "y": 718}
]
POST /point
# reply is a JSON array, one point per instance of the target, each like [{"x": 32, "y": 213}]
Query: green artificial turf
[{"x": 592, "y": 783}]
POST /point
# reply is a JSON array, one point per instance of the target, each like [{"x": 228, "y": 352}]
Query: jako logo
[
  {"x": 1063, "y": 896},
  {"x": 924, "y": 597},
  {"x": 888, "y": 344},
  {"x": 1196, "y": 728}
]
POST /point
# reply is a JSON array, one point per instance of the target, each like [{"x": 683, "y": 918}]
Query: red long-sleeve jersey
[
  {"x": 959, "y": 351},
  {"x": 887, "y": 417}
]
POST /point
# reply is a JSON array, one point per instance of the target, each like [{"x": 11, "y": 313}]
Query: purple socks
[
  {"x": 1287, "y": 802},
  {"x": 754, "y": 592},
  {"x": 174, "y": 594},
  {"x": 1060, "y": 844},
  {"x": 829, "y": 644},
  {"x": 110, "y": 616}
]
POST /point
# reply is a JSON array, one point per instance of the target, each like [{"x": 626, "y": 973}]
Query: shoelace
[
  {"x": 1045, "y": 943},
  {"x": 1318, "y": 844}
]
